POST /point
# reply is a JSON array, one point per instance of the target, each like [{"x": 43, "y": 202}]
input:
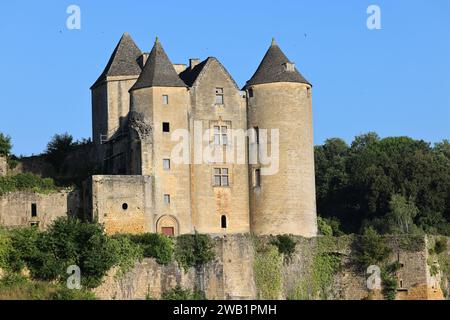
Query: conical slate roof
[
  {"x": 158, "y": 71},
  {"x": 123, "y": 61},
  {"x": 273, "y": 69}
]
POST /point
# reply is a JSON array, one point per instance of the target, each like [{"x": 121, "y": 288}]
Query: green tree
[
  {"x": 401, "y": 216},
  {"x": 58, "y": 149},
  {"x": 5, "y": 145}
]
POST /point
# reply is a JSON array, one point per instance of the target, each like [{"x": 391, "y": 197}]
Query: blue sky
[{"x": 395, "y": 81}]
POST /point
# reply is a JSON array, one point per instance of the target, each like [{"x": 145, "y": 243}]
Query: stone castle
[{"x": 141, "y": 100}]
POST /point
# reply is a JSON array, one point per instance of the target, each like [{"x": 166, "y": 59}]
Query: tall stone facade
[{"x": 194, "y": 133}]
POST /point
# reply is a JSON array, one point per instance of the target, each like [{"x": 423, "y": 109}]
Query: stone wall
[
  {"x": 16, "y": 208},
  {"x": 121, "y": 203},
  {"x": 3, "y": 166},
  {"x": 229, "y": 276},
  {"x": 232, "y": 274}
]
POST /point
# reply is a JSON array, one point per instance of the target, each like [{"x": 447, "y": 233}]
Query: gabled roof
[
  {"x": 190, "y": 77},
  {"x": 158, "y": 71},
  {"x": 273, "y": 69},
  {"x": 123, "y": 61}
]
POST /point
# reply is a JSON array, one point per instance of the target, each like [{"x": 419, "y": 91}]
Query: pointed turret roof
[
  {"x": 158, "y": 71},
  {"x": 273, "y": 68},
  {"x": 123, "y": 61}
]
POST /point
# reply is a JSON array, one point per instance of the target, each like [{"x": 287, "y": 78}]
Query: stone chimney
[
  {"x": 179, "y": 67},
  {"x": 193, "y": 63},
  {"x": 142, "y": 60}
]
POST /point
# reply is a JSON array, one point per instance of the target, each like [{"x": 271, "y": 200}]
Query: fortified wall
[
  {"x": 21, "y": 209},
  {"x": 240, "y": 271}
]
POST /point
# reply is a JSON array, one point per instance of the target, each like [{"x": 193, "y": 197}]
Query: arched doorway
[{"x": 167, "y": 225}]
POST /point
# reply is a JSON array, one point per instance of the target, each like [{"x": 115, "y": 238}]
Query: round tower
[{"x": 282, "y": 199}]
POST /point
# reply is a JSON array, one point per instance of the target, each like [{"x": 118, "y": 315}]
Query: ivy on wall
[{"x": 267, "y": 269}]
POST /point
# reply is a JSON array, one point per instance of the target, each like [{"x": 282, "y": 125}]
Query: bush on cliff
[
  {"x": 194, "y": 250},
  {"x": 47, "y": 255},
  {"x": 155, "y": 246}
]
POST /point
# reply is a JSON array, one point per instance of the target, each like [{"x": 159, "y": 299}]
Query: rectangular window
[
  {"x": 166, "y": 164},
  {"x": 219, "y": 96},
  {"x": 221, "y": 135},
  {"x": 167, "y": 199},
  {"x": 166, "y": 127},
  {"x": 258, "y": 178},
  {"x": 33, "y": 210},
  {"x": 250, "y": 93},
  {"x": 221, "y": 178},
  {"x": 165, "y": 99},
  {"x": 34, "y": 224}
]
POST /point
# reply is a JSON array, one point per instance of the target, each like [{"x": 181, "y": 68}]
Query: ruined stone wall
[
  {"x": 34, "y": 164},
  {"x": 16, "y": 208},
  {"x": 3, "y": 166},
  {"x": 232, "y": 275}
]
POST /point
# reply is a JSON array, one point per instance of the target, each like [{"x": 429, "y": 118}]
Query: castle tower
[
  {"x": 279, "y": 97},
  {"x": 159, "y": 106},
  {"x": 110, "y": 98}
]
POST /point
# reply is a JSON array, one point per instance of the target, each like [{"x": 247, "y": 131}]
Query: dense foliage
[
  {"x": 58, "y": 148},
  {"x": 17, "y": 287},
  {"x": 5, "y": 145},
  {"x": 285, "y": 244},
  {"x": 194, "y": 250},
  {"x": 396, "y": 185},
  {"x": 153, "y": 245},
  {"x": 47, "y": 255},
  {"x": 178, "y": 293},
  {"x": 26, "y": 182}
]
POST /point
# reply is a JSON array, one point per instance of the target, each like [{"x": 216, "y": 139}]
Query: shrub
[
  {"x": 440, "y": 246},
  {"x": 155, "y": 246},
  {"x": 69, "y": 242},
  {"x": 371, "y": 249},
  {"x": 178, "y": 293},
  {"x": 26, "y": 181},
  {"x": 5, "y": 145},
  {"x": 324, "y": 228},
  {"x": 126, "y": 251},
  {"x": 193, "y": 250},
  {"x": 17, "y": 287},
  {"x": 285, "y": 244}
]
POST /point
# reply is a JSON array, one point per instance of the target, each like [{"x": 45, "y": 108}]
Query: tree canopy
[
  {"x": 396, "y": 184},
  {"x": 5, "y": 145}
]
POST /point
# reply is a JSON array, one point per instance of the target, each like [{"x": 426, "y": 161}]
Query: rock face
[{"x": 232, "y": 275}]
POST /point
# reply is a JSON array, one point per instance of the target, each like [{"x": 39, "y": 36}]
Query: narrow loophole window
[
  {"x": 224, "y": 222},
  {"x": 33, "y": 210}
]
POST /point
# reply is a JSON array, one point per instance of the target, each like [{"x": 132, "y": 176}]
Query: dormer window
[
  {"x": 219, "y": 96},
  {"x": 289, "y": 66}
]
